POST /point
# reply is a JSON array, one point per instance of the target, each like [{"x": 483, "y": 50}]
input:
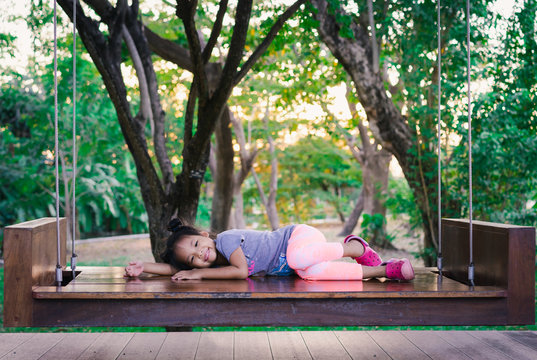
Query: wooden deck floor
[{"x": 412, "y": 345}]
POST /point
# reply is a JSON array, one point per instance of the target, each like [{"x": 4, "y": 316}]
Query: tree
[
  {"x": 163, "y": 193},
  {"x": 406, "y": 43}
]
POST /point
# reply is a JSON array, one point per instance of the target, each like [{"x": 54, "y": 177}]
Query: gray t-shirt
[{"x": 265, "y": 251}]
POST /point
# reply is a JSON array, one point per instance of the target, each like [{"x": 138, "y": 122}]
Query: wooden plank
[
  {"x": 471, "y": 346},
  {"x": 360, "y": 345},
  {"x": 11, "y": 340},
  {"x": 527, "y": 338},
  {"x": 179, "y": 346},
  {"x": 506, "y": 345},
  {"x": 29, "y": 259},
  {"x": 109, "y": 283},
  {"x": 106, "y": 346},
  {"x": 251, "y": 344},
  {"x": 276, "y": 312},
  {"x": 215, "y": 346},
  {"x": 324, "y": 345},
  {"x": 396, "y": 345},
  {"x": 34, "y": 348},
  {"x": 433, "y": 345},
  {"x": 504, "y": 255},
  {"x": 288, "y": 345},
  {"x": 143, "y": 346},
  {"x": 71, "y": 346}
]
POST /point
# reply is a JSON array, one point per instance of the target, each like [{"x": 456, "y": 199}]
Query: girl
[{"x": 237, "y": 254}]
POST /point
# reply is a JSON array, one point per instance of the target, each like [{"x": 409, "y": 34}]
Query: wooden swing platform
[{"x": 504, "y": 257}]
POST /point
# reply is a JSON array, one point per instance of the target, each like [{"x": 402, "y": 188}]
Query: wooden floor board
[
  {"x": 505, "y": 344},
  {"x": 471, "y": 346},
  {"x": 70, "y": 347},
  {"x": 215, "y": 345},
  {"x": 524, "y": 337},
  {"x": 307, "y": 345},
  {"x": 143, "y": 346},
  {"x": 11, "y": 341},
  {"x": 288, "y": 345},
  {"x": 324, "y": 345},
  {"x": 35, "y": 347},
  {"x": 106, "y": 346},
  {"x": 397, "y": 346},
  {"x": 252, "y": 344},
  {"x": 179, "y": 346},
  {"x": 360, "y": 345},
  {"x": 434, "y": 346}
]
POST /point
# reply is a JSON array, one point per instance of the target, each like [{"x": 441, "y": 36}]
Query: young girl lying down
[{"x": 294, "y": 249}]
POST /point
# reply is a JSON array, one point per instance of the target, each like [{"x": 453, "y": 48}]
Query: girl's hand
[
  {"x": 135, "y": 268},
  {"x": 194, "y": 274}
]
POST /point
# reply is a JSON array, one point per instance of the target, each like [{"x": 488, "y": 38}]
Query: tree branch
[
  {"x": 186, "y": 11},
  {"x": 215, "y": 32},
  {"x": 267, "y": 41}
]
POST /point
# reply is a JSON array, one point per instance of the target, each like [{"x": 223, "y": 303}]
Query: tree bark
[{"x": 386, "y": 121}]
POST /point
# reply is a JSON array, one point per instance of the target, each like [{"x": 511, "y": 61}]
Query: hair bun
[{"x": 175, "y": 224}]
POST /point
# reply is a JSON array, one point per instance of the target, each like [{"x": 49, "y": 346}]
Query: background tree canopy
[{"x": 286, "y": 105}]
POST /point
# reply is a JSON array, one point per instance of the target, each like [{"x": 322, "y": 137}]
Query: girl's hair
[{"x": 179, "y": 230}]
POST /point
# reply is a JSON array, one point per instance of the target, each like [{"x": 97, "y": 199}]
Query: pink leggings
[{"x": 310, "y": 255}]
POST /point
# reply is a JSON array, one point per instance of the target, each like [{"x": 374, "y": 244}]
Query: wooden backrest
[
  {"x": 30, "y": 256},
  {"x": 504, "y": 255}
]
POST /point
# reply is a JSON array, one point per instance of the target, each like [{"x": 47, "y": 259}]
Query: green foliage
[
  {"x": 504, "y": 139},
  {"x": 107, "y": 189},
  {"x": 374, "y": 227}
]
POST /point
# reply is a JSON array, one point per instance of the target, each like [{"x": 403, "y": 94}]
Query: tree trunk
[
  {"x": 223, "y": 174},
  {"x": 386, "y": 121},
  {"x": 354, "y": 216}
]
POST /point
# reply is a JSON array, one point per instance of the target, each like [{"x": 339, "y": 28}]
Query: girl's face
[{"x": 197, "y": 251}]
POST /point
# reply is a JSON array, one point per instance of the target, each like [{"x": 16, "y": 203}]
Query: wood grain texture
[
  {"x": 70, "y": 346},
  {"x": 30, "y": 257},
  {"x": 179, "y": 346},
  {"x": 471, "y": 346},
  {"x": 324, "y": 345},
  {"x": 505, "y": 344},
  {"x": 215, "y": 346},
  {"x": 11, "y": 341},
  {"x": 251, "y": 345},
  {"x": 109, "y": 283},
  {"x": 504, "y": 255},
  {"x": 396, "y": 345},
  {"x": 107, "y": 346},
  {"x": 434, "y": 346},
  {"x": 34, "y": 348},
  {"x": 288, "y": 345},
  {"x": 144, "y": 346},
  {"x": 360, "y": 345}
]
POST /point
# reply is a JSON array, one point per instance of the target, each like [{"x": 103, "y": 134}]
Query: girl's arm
[
  {"x": 237, "y": 269},
  {"x": 135, "y": 268}
]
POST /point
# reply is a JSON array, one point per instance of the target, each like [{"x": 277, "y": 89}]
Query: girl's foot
[
  {"x": 399, "y": 269},
  {"x": 369, "y": 257}
]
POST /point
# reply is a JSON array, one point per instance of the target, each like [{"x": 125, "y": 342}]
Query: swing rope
[
  {"x": 470, "y": 210},
  {"x": 59, "y": 274},
  {"x": 73, "y": 208},
  {"x": 439, "y": 257},
  {"x": 470, "y": 215}
]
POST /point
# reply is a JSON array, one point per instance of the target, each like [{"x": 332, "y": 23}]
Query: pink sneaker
[
  {"x": 369, "y": 257},
  {"x": 399, "y": 269}
]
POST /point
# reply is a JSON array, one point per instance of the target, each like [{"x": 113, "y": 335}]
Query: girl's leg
[
  {"x": 332, "y": 270},
  {"x": 307, "y": 246}
]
